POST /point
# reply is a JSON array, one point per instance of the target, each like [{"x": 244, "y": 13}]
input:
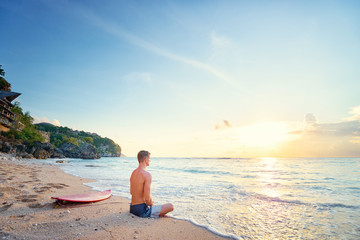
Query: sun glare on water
[{"x": 268, "y": 178}]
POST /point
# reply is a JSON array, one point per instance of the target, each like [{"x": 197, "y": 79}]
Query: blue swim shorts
[{"x": 143, "y": 210}]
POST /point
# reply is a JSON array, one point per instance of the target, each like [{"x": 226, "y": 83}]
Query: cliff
[
  {"x": 61, "y": 142},
  {"x": 70, "y": 141}
]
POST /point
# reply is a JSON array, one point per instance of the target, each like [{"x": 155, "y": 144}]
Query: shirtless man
[{"x": 142, "y": 204}]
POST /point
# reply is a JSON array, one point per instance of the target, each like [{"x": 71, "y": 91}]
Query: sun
[
  {"x": 264, "y": 139},
  {"x": 265, "y": 134}
]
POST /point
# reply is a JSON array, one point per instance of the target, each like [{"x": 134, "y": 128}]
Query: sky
[{"x": 217, "y": 78}]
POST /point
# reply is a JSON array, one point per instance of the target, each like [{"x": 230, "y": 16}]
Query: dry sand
[{"x": 28, "y": 212}]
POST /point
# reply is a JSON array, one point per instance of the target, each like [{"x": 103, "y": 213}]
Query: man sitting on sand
[{"x": 142, "y": 204}]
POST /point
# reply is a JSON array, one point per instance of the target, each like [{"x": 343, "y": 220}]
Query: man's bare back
[
  {"x": 140, "y": 182},
  {"x": 142, "y": 203}
]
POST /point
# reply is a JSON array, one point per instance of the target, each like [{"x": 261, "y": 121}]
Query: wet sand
[{"x": 28, "y": 212}]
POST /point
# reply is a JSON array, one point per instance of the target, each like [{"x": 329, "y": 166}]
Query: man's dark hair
[{"x": 142, "y": 155}]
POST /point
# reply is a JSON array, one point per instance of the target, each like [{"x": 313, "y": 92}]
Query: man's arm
[
  {"x": 147, "y": 194},
  {"x": 131, "y": 182}
]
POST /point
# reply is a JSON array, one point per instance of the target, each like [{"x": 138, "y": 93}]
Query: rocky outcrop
[
  {"x": 58, "y": 153},
  {"x": 70, "y": 150},
  {"x": 86, "y": 151},
  {"x": 106, "y": 151},
  {"x": 5, "y": 147},
  {"x": 43, "y": 150},
  {"x": 46, "y": 150}
]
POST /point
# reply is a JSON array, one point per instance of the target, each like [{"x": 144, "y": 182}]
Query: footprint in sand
[
  {"x": 58, "y": 185},
  {"x": 24, "y": 217},
  {"x": 10, "y": 190},
  {"x": 42, "y": 189},
  {"x": 39, "y": 205},
  {"x": 5, "y": 207},
  {"x": 27, "y": 198},
  {"x": 27, "y": 182}
]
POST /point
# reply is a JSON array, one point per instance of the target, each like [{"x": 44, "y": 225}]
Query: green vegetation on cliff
[
  {"x": 4, "y": 85},
  {"x": 61, "y": 135},
  {"x": 28, "y": 133}
]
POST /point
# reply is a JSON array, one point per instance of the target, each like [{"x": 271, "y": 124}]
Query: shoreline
[{"x": 27, "y": 210}]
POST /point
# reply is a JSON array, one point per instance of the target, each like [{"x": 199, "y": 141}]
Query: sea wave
[
  {"x": 207, "y": 172},
  {"x": 298, "y": 202},
  {"x": 197, "y": 171},
  {"x": 338, "y": 205},
  {"x": 92, "y": 165}
]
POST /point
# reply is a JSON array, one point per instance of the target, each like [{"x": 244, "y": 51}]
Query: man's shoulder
[
  {"x": 146, "y": 174},
  {"x": 142, "y": 172}
]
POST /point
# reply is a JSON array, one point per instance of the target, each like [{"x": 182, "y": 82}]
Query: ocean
[{"x": 245, "y": 198}]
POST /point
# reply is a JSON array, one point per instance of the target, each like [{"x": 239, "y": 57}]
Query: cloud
[
  {"x": 310, "y": 118},
  {"x": 138, "y": 77},
  {"x": 317, "y": 139},
  {"x": 46, "y": 120},
  {"x": 217, "y": 40},
  {"x": 348, "y": 127},
  {"x": 223, "y": 124},
  {"x": 309, "y": 124},
  {"x": 227, "y": 123},
  {"x": 355, "y": 114}
]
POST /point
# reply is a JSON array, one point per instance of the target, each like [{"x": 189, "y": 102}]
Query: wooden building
[{"x": 8, "y": 118}]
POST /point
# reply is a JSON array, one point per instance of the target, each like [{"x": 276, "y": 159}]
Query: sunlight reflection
[
  {"x": 268, "y": 159},
  {"x": 269, "y": 179}
]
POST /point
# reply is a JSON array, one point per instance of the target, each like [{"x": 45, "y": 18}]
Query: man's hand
[{"x": 149, "y": 201}]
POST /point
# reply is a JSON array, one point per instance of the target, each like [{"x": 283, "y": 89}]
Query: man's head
[{"x": 143, "y": 155}]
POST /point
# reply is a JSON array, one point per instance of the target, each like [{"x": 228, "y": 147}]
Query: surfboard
[{"x": 85, "y": 197}]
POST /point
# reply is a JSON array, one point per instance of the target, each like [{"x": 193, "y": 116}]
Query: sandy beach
[{"x": 28, "y": 212}]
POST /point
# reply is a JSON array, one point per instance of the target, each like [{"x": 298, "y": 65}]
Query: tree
[
  {"x": 2, "y": 72},
  {"x": 88, "y": 139},
  {"x": 24, "y": 118},
  {"x": 4, "y": 85}
]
